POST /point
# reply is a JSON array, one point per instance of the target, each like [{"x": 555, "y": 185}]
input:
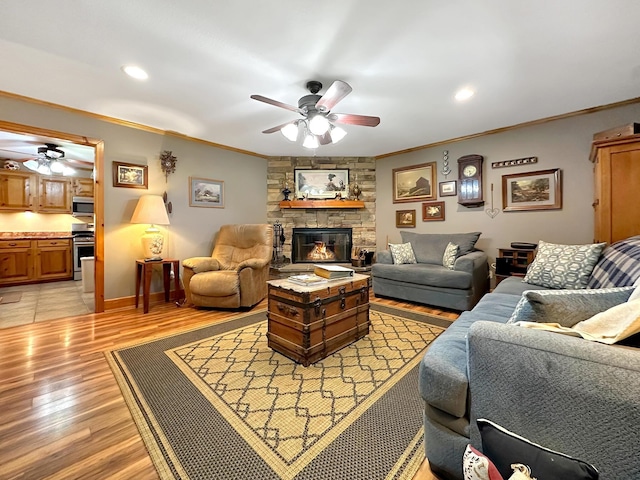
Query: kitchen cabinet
[
  {"x": 30, "y": 261},
  {"x": 16, "y": 261},
  {"x": 616, "y": 203},
  {"x": 17, "y": 191},
  {"x": 54, "y": 194},
  {"x": 83, "y": 187}
]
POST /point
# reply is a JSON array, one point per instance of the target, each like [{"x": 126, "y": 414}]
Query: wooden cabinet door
[
  {"x": 16, "y": 261},
  {"x": 54, "y": 195},
  {"x": 83, "y": 187},
  {"x": 16, "y": 191},
  {"x": 54, "y": 259}
]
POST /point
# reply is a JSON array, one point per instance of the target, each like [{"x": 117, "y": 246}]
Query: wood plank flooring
[{"x": 62, "y": 414}]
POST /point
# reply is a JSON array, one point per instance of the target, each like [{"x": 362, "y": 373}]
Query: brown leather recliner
[{"x": 236, "y": 273}]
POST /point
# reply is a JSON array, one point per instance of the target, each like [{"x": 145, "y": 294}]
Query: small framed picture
[
  {"x": 432, "y": 211},
  {"x": 130, "y": 175},
  {"x": 448, "y": 189},
  {"x": 405, "y": 218},
  {"x": 205, "y": 192}
]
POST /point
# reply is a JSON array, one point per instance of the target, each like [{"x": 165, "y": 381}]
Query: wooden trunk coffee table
[{"x": 308, "y": 323}]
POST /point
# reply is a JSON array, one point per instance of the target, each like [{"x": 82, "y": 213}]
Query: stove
[{"x": 83, "y": 245}]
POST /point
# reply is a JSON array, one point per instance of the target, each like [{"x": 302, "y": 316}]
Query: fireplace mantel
[{"x": 321, "y": 204}]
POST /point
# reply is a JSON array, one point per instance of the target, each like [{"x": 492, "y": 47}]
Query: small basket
[{"x": 357, "y": 262}]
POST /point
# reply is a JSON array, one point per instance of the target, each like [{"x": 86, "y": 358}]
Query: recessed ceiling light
[
  {"x": 135, "y": 72},
  {"x": 464, "y": 94}
]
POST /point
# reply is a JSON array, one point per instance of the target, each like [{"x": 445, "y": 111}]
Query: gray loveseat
[
  {"x": 574, "y": 396},
  {"x": 429, "y": 282}
]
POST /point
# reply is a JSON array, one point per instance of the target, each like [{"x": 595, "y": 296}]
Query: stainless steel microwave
[{"x": 82, "y": 207}]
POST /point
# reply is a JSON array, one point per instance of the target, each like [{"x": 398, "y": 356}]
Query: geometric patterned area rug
[{"x": 217, "y": 402}]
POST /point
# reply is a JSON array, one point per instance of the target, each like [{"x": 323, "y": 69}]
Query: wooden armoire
[{"x": 617, "y": 188}]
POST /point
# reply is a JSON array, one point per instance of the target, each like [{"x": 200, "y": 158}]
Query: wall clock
[{"x": 470, "y": 180}]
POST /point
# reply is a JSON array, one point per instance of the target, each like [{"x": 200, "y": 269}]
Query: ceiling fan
[
  {"x": 317, "y": 125},
  {"x": 50, "y": 159}
]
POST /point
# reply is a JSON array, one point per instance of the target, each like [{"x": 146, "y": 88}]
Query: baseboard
[{"x": 127, "y": 302}]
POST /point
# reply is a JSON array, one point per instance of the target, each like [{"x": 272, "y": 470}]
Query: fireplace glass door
[{"x": 321, "y": 245}]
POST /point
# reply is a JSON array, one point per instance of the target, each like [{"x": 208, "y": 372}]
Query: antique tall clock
[{"x": 470, "y": 179}]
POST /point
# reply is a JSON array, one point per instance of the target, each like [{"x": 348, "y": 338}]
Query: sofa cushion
[
  {"x": 505, "y": 448},
  {"x": 429, "y": 247},
  {"x": 563, "y": 266},
  {"x": 567, "y": 307},
  {"x": 618, "y": 266},
  {"x": 450, "y": 255},
  {"x": 402, "y": 253},
  {"x": 424, "y": 274}
]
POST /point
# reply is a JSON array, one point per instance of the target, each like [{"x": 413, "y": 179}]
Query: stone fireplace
[{"x": 321, "y": 245}]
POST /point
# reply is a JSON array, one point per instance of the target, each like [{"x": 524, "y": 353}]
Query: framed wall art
[
  {"x": 432, "y": 211},
  {"x": 321, "y": 183},
  {"x": 541, "y": 190},
  {"x": 414, "y": 183},
  {"x": 130, "y": 175},
  {"x": 204, "y": 192},
  {"x": 448, "y": 189},
  {"x": 405, "y": 218}
]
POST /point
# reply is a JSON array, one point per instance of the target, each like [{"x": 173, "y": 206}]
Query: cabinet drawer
[
  {"x": 15, "y": 244},
  {"x": 55, "y": 242}
]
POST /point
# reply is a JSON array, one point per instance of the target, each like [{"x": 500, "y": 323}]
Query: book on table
[
  {"x": 307, "y": 280},
  {"x": 332, "y": 271}
]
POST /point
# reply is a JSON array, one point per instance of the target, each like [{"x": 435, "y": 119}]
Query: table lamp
[{"x": 150, "y": 209}]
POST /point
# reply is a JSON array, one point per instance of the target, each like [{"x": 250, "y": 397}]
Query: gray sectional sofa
[
  {"x": 427, "y": 280},
  {"x": 574, "y": 396}
]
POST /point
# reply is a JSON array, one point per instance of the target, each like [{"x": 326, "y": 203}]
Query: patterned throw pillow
[
  {"x": 619, "y": 265},
  {"x": 450, "y": 255},
  {"x": 402, "y": 253},
  {"x": 563, "y": 266},
  {"x": 567, "y": 307},
  {"x": 475, "y": 466}
]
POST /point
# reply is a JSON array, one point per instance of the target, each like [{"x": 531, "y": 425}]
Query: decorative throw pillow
[
  {"x": 402, "y": 253},
  {"x": 475, "y": 466},
  {"x": 618, "y": 266},
  {"x": 450, "y": 255},
  {"x": 567, "y": 307},
  {"x": 505, "y": 448},
  {"x": 563, "y": 266}
]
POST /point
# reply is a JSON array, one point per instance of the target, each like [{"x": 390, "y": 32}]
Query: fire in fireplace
[{"x": 318, "y": 245}]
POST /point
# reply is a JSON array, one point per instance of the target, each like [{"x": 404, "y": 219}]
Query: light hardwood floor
[{"x": 62, "y": 414}]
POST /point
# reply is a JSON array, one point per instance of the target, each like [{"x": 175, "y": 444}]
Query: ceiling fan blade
[
  {"x": 336, "y": 92},
  {"x": 350, "y": 119},
  {"x": 276, "y": 129},
  {"x": 276, "y": 103}
]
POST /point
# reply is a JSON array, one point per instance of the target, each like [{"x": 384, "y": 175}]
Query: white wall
[
  {"x": 192, "y": 229},
  {"x": 563, "y": 144}
]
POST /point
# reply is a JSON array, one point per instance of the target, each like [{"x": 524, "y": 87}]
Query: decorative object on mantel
[
  {"x": 492, "y": 212},
  {"x": 515, "y": 162},
  {"x": 355, "y": 189},
  {"x": 285, "y": 191},
  {"x": 167, "y": 163},
  {"x": 445, "y": 163}
]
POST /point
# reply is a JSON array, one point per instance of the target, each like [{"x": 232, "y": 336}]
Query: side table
[{"x": 144, "y": 271}]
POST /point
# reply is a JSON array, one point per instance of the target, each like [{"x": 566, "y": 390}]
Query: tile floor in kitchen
[{"x": 45, "y": 301}]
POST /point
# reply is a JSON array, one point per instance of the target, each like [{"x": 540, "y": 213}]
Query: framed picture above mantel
[{"x": 318, "y": 184}]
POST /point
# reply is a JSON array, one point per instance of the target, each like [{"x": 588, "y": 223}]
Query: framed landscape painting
[
  {"x": 405, "y": 218},
  {"x": 130, "y": 175},
  {"x": 204, "y": 192},
  {"x": 414, "y": 183},
  {"x": 541, "y": 190},
  {"x": 321, "y": 183},
  {"x": 448, "y": 189}
]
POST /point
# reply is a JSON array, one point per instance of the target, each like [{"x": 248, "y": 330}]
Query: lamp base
[{"x": 152, "y": 244}]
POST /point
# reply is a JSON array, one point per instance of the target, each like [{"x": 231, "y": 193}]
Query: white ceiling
[{"x": 404, "y": 60}]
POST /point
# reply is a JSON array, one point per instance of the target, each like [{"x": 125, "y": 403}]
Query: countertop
[{"x": 34, "y": 235}]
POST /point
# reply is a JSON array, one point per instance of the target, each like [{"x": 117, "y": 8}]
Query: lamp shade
[{"x": 150, "y": 209}]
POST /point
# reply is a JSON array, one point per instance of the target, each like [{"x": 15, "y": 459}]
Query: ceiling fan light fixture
[
  {"x": 31, "y": 165},
  {"x": 44, "y": 169},
  {"x": 310, "y": 141},
  {"x": 319, "y": 125},
  {"x": 56, "y": 166},
  {"x": 337, "y": 134},
  {"x": 290, "y": 131},
  {"x": 68, "y": 171}
]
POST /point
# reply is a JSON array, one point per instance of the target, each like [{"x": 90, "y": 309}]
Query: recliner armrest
[
  {"x": 201, "y": 264},
  {"x": 256, "y": 263}
]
